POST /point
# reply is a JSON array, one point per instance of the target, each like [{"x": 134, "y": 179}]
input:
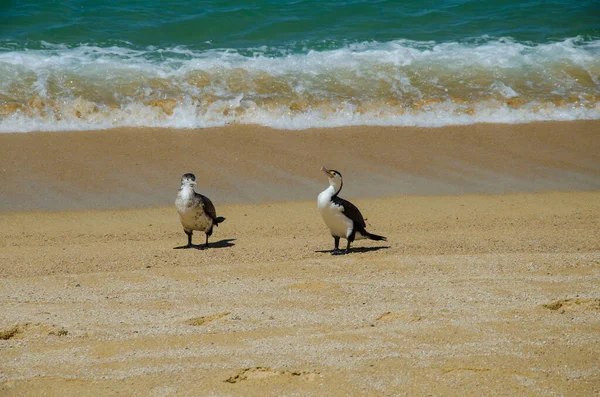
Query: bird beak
[{"x": 325, "y": 170}]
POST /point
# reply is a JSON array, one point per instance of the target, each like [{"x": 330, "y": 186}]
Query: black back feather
[
  {"x": 209, "y": 208},
  {"x": 350, "y": 211}
]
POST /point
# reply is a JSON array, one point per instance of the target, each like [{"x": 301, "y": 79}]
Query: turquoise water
[{"x": 296, "y": 64}]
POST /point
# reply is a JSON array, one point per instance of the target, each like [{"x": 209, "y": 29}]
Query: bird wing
[
  {"x": 209, "y": 208},
  {"x": 350, "y": 210}
]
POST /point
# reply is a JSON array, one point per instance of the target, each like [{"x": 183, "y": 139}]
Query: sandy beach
[{"x": 488, "y": 283}]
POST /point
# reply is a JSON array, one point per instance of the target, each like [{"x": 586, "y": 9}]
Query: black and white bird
[
  {"x": 196, "y": 212},
  {"x": 342, "y": 217}
]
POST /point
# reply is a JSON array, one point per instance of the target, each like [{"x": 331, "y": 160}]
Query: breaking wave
[{"x": 400, "y": 83}]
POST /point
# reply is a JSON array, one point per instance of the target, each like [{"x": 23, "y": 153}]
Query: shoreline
[{"x": 140, "y": 167}]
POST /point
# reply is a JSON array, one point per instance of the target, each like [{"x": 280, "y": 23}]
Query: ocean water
[{"x": 91, "y": 64}]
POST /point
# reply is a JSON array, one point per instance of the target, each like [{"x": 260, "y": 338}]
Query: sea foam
[{"x": 403, "y": 83}]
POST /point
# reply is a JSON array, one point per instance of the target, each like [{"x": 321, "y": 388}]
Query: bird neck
[
  {"x": 186, "y": 190},
  {"x": 336, "y": 187}
]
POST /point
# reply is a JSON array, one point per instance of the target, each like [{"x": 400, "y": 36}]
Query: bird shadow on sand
[
  {"x": 226, "y": 243},
  {"x": 358, "y": 250}
]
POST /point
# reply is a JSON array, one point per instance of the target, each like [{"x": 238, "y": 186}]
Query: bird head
[
  {"x": 335, "y": 178},
  {"x": 188, "y": 179}
]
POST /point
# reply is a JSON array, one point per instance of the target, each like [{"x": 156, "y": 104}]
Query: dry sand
[{"x": 475, "y": 292}]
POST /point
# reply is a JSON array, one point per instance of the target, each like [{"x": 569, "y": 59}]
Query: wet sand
[
  {"x": 487, "y": 285},
  {"x": 127, "y": 168}
]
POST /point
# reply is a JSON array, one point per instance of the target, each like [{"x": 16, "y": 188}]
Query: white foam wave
[
  {"x": 492, "y": 54},
  {"x": 253, "y": 86},
  {"x": 240, "y": 111}
]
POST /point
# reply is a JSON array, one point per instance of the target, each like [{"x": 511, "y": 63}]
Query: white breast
[
  {"x": 336, "y": 221},
  {"x": 191, "y": 213}
]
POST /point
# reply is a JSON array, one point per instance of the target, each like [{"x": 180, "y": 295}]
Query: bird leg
[
  {"x": 336, "y": 245},
  {"x": 342, "y": 252},
  {"x": 189, "y": 244},
  {"x": 208, "y": 234},
  {"x": 347, "y": 250},
  {"x": 348, "y": 246}
]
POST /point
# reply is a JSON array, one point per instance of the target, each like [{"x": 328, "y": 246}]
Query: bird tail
[
  {"x": 219, "y": 220},
  {"x": 376, "y": 237}
]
